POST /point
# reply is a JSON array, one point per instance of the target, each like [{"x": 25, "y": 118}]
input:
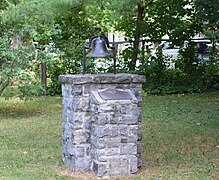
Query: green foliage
[
  {"x": 152, "y": 19},
  {"x": 36, "y": 12},
  {"x": 199, "y": 72},
  {"x": 190, "y": 74},
  {"x": 126, "y": 60},
  {"x": 175, "y": 20},
  {"x": 189, "y": 59},
  {"x": 159, "y": 78},
  {"x": 15, "y": 66},
  {"x": 159, "y": 18},
  {"x": 207, "y": 12},
  {"x": 72, "y": 30},
  {"x": 29, "y": 84},
  {"x": 61, "y": 23},
  {"x": 64, "y": 25},
  {"x": 3, "y": 4},
  {"x": 56, "y": 67},
  {"x": 207, "y": 16}
]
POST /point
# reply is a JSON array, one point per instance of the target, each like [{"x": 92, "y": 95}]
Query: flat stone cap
[{"x": 101, "y": 78}]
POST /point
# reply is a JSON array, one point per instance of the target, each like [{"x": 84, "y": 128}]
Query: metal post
[
  {"x": 114, "y": 60},
  {"x": 84, "y": 59}
]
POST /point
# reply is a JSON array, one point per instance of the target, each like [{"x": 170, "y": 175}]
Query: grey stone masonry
[{"x": 102, "y": 135}]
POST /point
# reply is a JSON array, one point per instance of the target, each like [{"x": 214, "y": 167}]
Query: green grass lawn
[{"x": 180, "y": 138}]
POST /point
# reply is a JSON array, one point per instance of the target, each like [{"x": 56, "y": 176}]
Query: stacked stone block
[
  {"x": 76, "y": 128},
  {"x": 114, "y": 136},
  {"x": 101, "y": 136}
]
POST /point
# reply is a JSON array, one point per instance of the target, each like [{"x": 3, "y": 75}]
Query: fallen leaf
[{"x": 25, "y": 152}]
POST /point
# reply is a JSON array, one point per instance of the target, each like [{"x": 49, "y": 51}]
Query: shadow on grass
[
  {"x": 7, "y": 113},
  {"x": 15, "y": 108}
]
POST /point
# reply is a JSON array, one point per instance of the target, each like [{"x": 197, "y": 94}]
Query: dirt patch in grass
[
  {"x": 63, "y": 171},
  {"x": 1, "y": 125}
]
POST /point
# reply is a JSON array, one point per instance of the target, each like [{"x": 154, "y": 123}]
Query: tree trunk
[
  {"x": 7, "y": 81},
  {"x": 44, "y": 76},
  {"x": 2, "y": 88},
  {"x": 137, "y": 35}
]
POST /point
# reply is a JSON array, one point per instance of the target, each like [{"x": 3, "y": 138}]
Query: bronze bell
[{"x": 99, "y": 49}]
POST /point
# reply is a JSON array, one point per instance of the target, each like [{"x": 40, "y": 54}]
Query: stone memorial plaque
[{"x": 115, "y": 94}]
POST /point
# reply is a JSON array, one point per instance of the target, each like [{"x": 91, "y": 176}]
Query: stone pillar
[{"x": 100, "y": 135}]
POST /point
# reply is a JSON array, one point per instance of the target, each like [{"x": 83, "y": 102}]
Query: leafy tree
[
  {"x": 16, "y": 65},
  {"x": 72, "y": 30},
  {"x": 35, "y": 20},
  {"x": 141, "y": 19},
  {"x": 65, "y": 24},
  {"x": 207, "y": 14}
]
